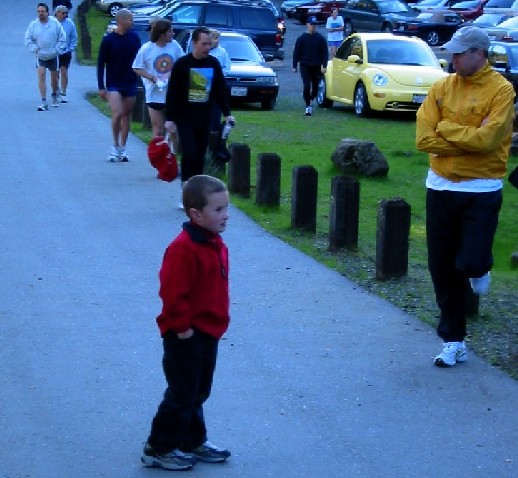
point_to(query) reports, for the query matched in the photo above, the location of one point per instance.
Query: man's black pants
(460, 229)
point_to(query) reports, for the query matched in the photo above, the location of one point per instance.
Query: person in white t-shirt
(335, 32)
(154, 62)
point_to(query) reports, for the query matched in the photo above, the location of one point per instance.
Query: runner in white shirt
(154, 62)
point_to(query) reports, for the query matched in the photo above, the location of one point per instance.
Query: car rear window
(257, 19)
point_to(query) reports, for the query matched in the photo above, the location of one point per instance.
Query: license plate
(238, 91)
(418, 98)
(401, 28)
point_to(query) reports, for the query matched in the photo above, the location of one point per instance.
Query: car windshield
(240, 49)
(396, 52)
(509, 23)
(393, 6)
(491, 19)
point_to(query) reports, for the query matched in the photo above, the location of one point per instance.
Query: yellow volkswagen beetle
(381, 72)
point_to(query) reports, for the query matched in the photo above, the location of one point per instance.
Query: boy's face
(214, 215)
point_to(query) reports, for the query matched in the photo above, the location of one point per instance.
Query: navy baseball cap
(312, 20)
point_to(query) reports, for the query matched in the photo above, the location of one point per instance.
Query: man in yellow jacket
(465, 124)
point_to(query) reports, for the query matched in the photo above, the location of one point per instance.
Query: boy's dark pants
(188, 367)
(460, 228)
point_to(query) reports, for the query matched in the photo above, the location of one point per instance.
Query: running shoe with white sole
(173, 460)
(452, 353)
(210, 453)
(44, 106)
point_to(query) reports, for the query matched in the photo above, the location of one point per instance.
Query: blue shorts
(126, 91)
(51, 64)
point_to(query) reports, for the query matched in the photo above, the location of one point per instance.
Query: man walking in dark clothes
(311, 52)
(196, 85)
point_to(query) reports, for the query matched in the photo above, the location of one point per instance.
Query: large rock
(354, 156)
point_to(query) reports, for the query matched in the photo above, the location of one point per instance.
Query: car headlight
(267, 80)
(379, 79)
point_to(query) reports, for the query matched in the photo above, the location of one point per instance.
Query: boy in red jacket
(195, 314)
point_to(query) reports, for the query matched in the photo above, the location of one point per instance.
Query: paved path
(316, 377)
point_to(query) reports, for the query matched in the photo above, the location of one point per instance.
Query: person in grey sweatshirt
(46, 38)
(64, 60)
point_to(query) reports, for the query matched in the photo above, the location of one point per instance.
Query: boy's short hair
(197, 190)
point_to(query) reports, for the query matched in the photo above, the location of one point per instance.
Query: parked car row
(254, 18)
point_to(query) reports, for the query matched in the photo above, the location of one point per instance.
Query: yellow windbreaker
(466, 125)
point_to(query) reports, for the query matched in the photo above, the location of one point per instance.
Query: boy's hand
(186, 335)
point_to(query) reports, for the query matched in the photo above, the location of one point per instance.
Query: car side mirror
(354, 59)
(444, 63)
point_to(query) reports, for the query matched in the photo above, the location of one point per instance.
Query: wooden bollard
(304, 189)
(392, 239)
(268, 172)
(345, 213)
(239, 170)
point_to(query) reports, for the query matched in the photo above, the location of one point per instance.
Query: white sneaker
(44, 106)
(480, 285)
(63, 98)
(452, 352)
(309, 110)
(123, 155)
(55, 100)
(114, 154)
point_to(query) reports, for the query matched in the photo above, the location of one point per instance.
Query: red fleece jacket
(194, 283)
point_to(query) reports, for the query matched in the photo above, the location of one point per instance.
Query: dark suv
(252, 18)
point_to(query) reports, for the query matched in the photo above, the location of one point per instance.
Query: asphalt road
(316, 377)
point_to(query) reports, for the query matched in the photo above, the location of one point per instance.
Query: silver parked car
(113, 6)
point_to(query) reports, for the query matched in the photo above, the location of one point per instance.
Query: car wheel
(114, 8)
(432, 38)
(348, 29)
(322, 100)
(268, 104)
(302, 19)
(361, 101)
